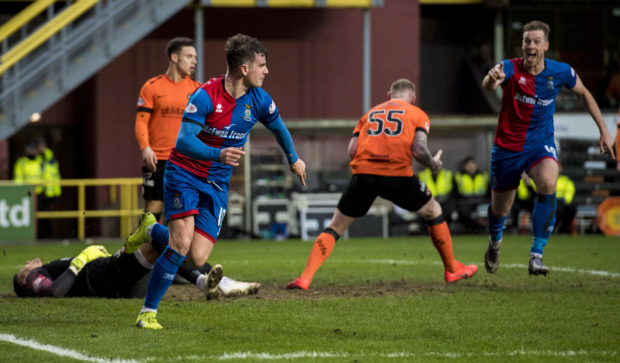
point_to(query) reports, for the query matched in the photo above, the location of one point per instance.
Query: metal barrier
(128, 203)
(44, 33)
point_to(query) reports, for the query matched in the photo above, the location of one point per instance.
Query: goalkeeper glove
(87, 255)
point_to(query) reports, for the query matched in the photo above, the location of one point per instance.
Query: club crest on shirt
(549, 82)
(218, 108)
(191, 108)
(521, 80)
(177, 202)
(248, 114)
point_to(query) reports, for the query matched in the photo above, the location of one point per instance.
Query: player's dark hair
(401, 85)
(538, 25)
(21, 290)
(241, 49)
(176, 44)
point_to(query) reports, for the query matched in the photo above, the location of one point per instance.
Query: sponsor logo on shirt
(532, 100)
(141, 101)
(191, 108)
(227, 134)
(171, 111)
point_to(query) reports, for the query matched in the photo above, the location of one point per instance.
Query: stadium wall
(315, 63)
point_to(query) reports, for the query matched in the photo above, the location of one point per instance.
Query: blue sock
(159, 235)
(543, 219)
(496, 225)
(164, 272)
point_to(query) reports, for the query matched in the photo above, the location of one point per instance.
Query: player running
(524, 138)
(384, 143)
(215, 126)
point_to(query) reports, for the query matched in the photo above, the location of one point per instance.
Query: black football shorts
(153, 182)
(407, 192)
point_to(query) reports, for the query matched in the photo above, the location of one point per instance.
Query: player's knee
(431, 210)
(547, 186)
(197, 260)
(500, 210)
(181, 245)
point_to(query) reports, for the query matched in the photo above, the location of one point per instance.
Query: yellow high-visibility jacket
(28, 171)
(440, 186)
(51, 172)
(469, 186)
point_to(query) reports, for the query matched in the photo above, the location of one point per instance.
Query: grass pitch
(374, 300)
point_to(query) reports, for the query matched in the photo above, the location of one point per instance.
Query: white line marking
(510, 265)
(306, 354)
(63, 352)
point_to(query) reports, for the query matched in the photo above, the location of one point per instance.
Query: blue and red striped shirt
(528, 102)
(226, 122)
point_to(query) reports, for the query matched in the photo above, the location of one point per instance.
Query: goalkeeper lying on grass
(95, 273)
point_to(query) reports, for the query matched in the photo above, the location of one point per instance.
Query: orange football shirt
(160, 109)
(385, 138)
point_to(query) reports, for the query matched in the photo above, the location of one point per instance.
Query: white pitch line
(63, 352)
(472, 355)
(510, 265)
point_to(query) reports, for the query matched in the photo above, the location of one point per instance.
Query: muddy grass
(273, 291)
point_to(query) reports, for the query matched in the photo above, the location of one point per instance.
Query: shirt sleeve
(360, 124)
(509, 70)
(194, 118)
(143, 115)
(198, 107)
(268, 110)
(423, 122)
(284, 139)
(570, 77)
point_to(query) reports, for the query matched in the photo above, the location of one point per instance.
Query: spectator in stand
(565, 209)
(28, 169)
(472, 190)
(441, 184)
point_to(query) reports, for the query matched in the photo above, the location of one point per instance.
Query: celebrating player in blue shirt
(524, 138)
(215, 126)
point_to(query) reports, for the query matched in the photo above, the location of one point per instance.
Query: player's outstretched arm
(494, 77)
(605, 141)
(283, 136)
(284, 139)
(299, 168)
(423, 155)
